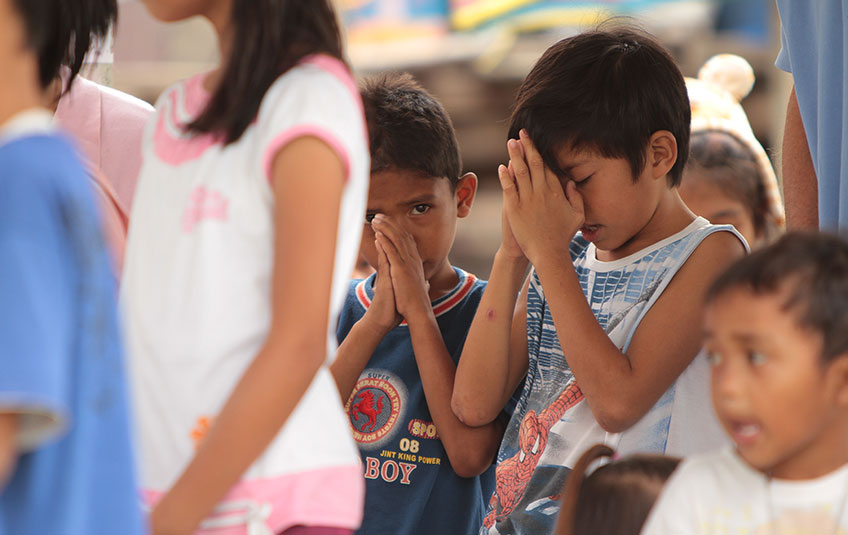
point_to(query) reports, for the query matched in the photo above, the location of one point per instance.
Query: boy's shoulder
(713, 477)
(462, 300)
(710, 241)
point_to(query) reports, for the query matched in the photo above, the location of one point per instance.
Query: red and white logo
(374, 408)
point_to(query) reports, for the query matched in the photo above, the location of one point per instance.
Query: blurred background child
(246, 225)
(106, 125)
(615, 498)
(729, 178)
(776, 333)
(66, 463)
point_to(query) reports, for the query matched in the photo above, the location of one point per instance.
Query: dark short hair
(408, 129)
(813, 269)
(728, 164)
(607, 90)
(616, 498)
(61, 32)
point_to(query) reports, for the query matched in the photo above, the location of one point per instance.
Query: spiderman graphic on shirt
(513, 474)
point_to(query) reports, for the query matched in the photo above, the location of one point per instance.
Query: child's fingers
(519, 166)
(389, 248)
(553, 182)
(510, 191)
(533, 159)
(383, 225)
(574, 197)
(384, 276)
(382, 259)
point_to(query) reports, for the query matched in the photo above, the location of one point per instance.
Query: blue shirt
(410, 486)
(814, 38)
(61, 359)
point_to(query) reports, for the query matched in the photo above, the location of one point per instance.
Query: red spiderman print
(513, 474)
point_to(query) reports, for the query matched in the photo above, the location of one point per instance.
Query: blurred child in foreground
(65, 456)
(776, 331)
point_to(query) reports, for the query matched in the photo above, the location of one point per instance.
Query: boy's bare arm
(619, 388)
(800, 187)
(494, 358)
(8, 446)
(366, 334)
(471, 450)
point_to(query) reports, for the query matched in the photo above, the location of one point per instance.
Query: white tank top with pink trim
(196, 296)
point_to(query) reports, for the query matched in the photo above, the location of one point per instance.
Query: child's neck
(443, 280)
(222, 22)
(19, 90)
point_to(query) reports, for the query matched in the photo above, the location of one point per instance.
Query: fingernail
(501, 168)
(513, 144)
(522, 132)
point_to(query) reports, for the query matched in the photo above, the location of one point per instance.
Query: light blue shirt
(814, 38)
(61, 364)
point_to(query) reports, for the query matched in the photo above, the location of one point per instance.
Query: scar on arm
(491, 314)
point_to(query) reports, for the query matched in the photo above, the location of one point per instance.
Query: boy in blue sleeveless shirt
(66, 462)
(608, 322)
(402, 329)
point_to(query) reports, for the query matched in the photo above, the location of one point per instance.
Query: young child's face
(424, 207)
(708, 200)
(771, 390)
(617, 207)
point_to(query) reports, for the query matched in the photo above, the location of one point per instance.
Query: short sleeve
(317, 98)
(782, 62)
(35, 301)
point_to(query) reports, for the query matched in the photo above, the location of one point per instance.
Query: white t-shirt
(196, 293)
(718, 494)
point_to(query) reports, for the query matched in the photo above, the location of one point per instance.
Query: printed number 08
(409, 445)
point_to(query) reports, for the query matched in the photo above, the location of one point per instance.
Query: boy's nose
(728, 383)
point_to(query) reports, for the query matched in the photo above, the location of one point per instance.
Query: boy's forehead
(400, 185)
(741, 308)
(569, 156)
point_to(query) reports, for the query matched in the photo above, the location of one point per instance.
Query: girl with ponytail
(614, 499)
(246, 224)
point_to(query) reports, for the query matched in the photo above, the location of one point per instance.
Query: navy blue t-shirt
(410, 486)
(60, 356)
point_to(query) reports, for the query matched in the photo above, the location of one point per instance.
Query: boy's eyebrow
(566, 169)
(418, 199)
(737, 337)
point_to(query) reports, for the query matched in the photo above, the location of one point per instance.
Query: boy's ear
(466, 190)
(662, 153)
